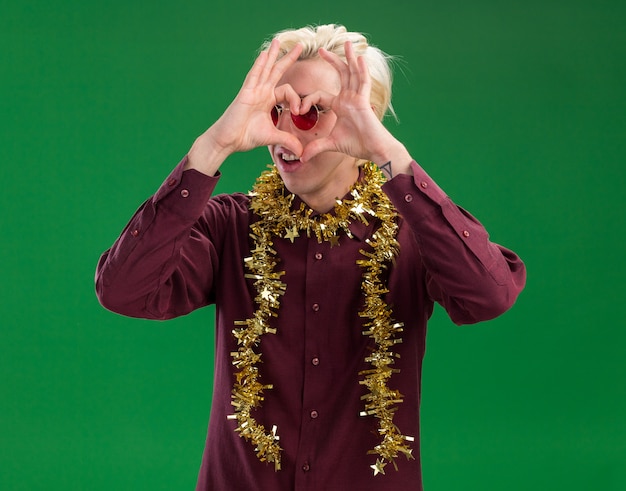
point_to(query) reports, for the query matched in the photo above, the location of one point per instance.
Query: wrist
(393, 160)
(206, 155)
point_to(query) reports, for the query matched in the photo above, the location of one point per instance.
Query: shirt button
(318, 255)
(408, 198)
(315, 307)
(314, 414)
(184, 193)
(135, 233)
(465, 233)
(424, 184)
(315, 361)
(171, 182)
(306, 467)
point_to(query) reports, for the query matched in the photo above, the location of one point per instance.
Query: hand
(357, 132)
(246, 123)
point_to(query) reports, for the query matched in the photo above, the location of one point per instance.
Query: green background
(517, 109)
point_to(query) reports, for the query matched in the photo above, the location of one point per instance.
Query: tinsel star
(266, 294)
(358, 208)
(292, 233)
(379, 467)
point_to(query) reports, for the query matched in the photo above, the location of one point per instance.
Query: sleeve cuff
(417, 192)
(185, 192)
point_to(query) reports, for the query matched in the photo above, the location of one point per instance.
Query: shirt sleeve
(473, 278)
(147, 272)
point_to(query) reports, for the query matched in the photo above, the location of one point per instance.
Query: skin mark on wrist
(386, 168)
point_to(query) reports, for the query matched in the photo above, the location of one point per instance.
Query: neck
(324, 201)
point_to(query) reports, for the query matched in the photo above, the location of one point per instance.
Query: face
(329, 175)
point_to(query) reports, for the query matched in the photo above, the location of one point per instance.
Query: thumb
(316, 147)
(289, 141)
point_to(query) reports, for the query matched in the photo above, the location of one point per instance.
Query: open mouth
(289, 158)
(287, 161)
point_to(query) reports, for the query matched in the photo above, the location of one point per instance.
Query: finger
(280, 67)
(272, 54)
(353, 68)
(324, 99)
(287, 140)
(338, 64)
(316, 147)
(257, 69)
(286, 93)
(364, 76)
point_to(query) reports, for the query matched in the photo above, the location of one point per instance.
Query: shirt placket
(317, 318)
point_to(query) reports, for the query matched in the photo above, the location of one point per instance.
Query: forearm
(472, 277)
(142, 273)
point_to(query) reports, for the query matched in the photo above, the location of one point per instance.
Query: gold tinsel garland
(271, 202)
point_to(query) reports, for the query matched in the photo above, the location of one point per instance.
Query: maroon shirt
(183, 250)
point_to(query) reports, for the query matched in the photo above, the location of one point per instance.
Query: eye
(275, 113)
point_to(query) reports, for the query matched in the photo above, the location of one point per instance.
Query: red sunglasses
(304, 122)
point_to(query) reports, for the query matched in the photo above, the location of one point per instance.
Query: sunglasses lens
(306, 121)
(300, 121)
(275, 115)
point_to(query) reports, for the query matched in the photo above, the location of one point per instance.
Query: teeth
(289, 157)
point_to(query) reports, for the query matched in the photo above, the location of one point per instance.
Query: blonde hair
(332, 37)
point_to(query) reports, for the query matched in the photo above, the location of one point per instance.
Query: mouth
(287, 161)
(289, 157)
